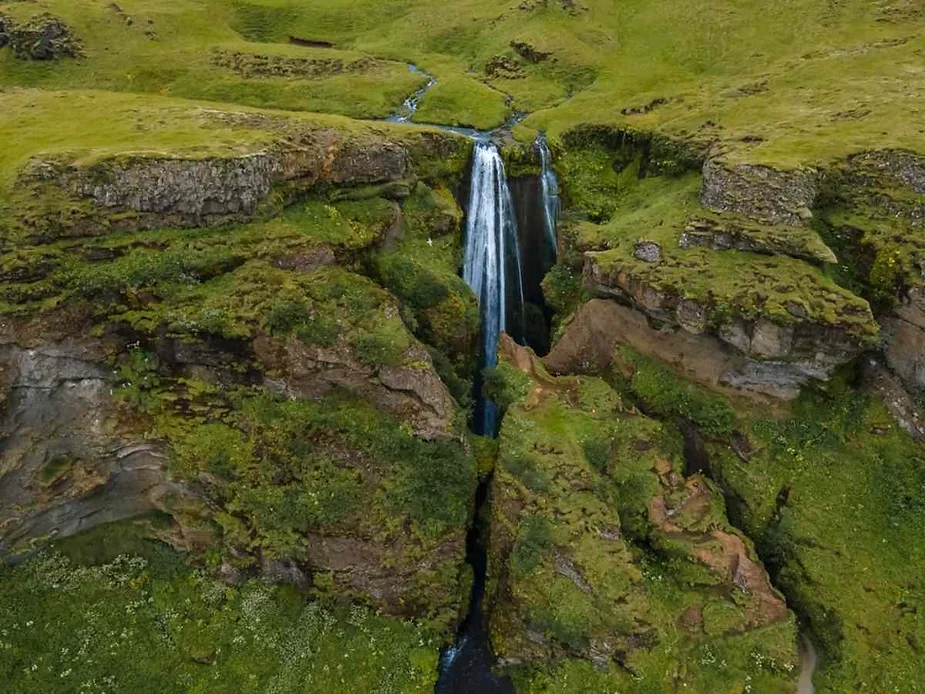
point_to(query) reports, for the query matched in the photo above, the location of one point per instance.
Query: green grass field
(795, 83)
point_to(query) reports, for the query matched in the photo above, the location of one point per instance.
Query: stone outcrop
(588, 340)
(250, 65)
(759, 192)
(904, 330)
(42, 38)
(411, 391)
(803, 347)
(894, 394)
(883, 186)
(66, 464)
(140, 192)
(725, 234)
(895, 168)
(647, 251)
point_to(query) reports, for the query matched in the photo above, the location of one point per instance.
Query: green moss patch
(139, 623)
(831, 494)
(577, 568)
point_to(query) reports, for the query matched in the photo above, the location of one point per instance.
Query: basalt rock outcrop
(904, 330)
(411, 390)
(67, 463)
(789, 352)
(42, 38)
(733, 232)
(759, 192)
(5, 26)
(587, 343)
(250, 65)
(127, 192)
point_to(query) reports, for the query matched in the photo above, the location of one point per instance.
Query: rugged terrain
(238, 360)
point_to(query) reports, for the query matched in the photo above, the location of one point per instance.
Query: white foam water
(492, 257)
(549, 187)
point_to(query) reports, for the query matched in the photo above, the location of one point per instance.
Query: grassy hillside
(791, 83)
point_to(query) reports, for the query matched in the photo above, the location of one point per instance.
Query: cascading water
(492, 270)
(549, 186)
(404, 112)
(492, 262)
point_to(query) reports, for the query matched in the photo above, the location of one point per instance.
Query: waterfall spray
(492, 258)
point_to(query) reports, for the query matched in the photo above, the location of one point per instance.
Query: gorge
(550, 348)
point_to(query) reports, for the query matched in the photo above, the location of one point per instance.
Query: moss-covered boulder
(44, 37)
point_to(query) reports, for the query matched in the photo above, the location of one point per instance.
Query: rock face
(43, 38)
(758, 192)
(899, 168)
(413, 393)
(65, 466)
(140, 192)
(801, 347)
(588, 340)
(647, 251)
(904, 330)
(736, 234)
(250, 65)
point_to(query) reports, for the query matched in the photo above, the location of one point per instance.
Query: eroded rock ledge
(778, 356)
(131, 192)
(66, 462)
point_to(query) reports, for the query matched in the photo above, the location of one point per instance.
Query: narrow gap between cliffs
(697, 461)
(509, 247)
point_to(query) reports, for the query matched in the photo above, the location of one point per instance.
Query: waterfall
(549, 186)
(492, 258)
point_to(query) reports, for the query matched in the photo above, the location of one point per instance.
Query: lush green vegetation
(574, 576)
(832, 494)
(649, 65)
(146, 622)
(667, 397)
(339, 466)
(624, 203)
(632, 96)
(829, 490)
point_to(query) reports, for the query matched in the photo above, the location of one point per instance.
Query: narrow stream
(808, 662)
(404, 113)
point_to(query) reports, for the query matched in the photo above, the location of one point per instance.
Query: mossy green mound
(828, 490)
(592, 589)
